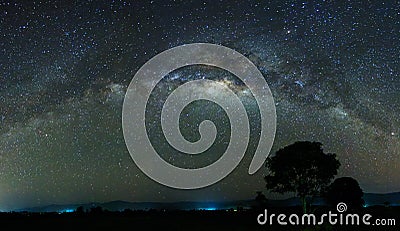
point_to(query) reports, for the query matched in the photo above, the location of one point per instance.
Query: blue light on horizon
(67, 211)
(208, 209)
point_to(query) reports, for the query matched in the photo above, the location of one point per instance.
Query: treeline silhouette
(233, 219)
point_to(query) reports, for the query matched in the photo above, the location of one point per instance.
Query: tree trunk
(304, 204)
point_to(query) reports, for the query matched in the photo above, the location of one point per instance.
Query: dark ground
(178, 220)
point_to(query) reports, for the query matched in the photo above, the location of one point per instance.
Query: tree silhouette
(80, 210)
(347, 190)
(96, 210)
(261, 199)
(302, 168)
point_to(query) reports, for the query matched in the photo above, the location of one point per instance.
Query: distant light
(67, 211)
(208, 209)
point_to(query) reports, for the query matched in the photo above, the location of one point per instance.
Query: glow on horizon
(208, 209)
(67, 211)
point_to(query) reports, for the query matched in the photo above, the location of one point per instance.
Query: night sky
(332, 66)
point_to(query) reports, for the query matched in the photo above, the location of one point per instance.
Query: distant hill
(370, 200)
(378, 199)
(122, 205)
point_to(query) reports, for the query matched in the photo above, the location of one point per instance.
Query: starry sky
(332, 66)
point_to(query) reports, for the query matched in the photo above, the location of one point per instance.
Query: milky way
(333, 69)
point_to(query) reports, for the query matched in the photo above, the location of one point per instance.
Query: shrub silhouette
(347, 190)
(96, 210)
(261, 200)
(80, 210)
